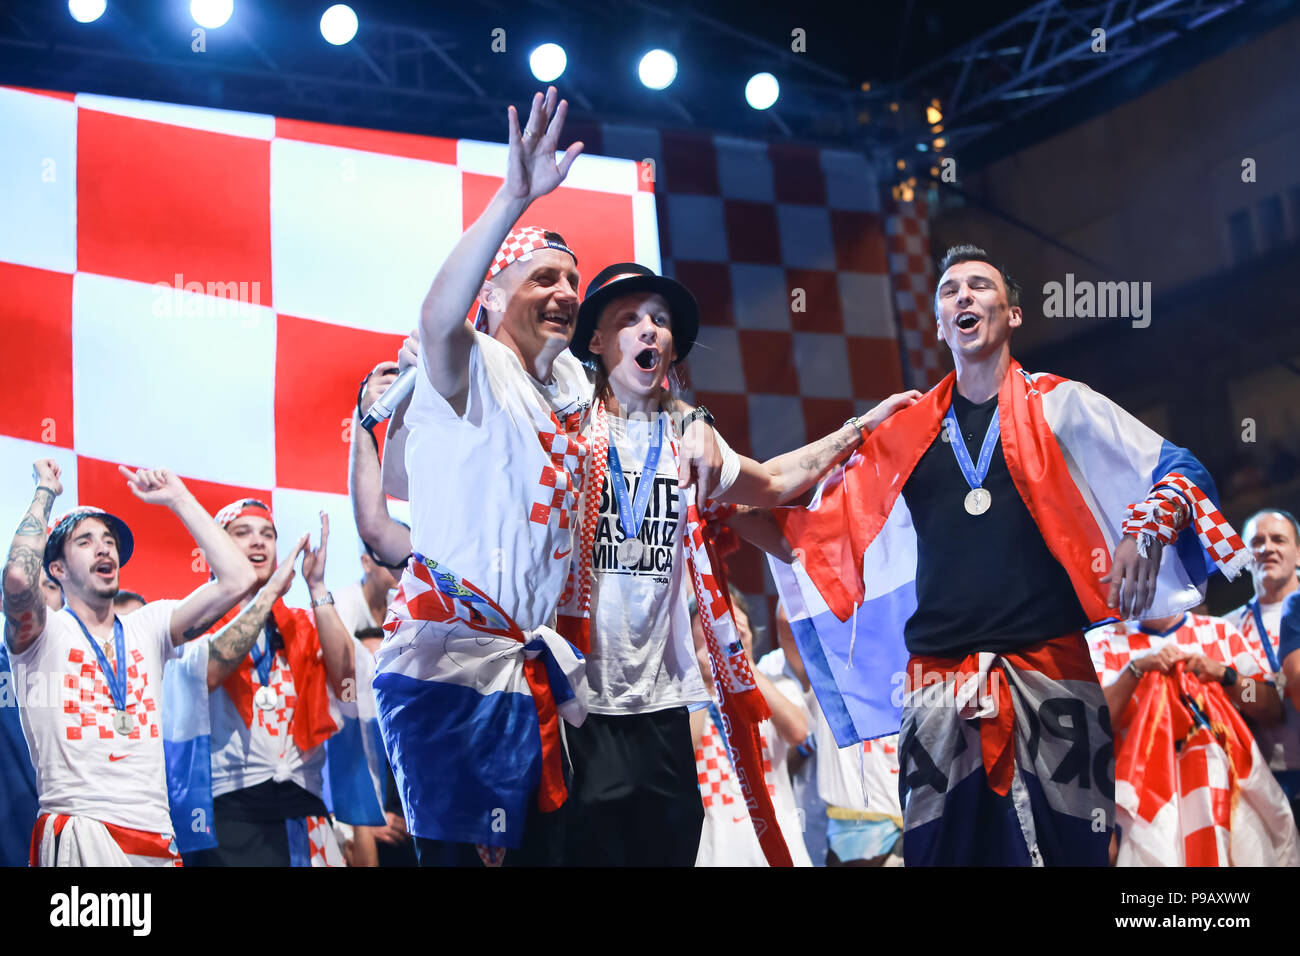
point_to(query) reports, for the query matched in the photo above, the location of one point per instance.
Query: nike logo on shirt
(113, 757)
(558, 556)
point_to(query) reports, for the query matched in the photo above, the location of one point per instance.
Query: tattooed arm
(231, 644)
(24, 606)
(779, 480)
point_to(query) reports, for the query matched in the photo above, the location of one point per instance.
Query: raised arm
(386, 537)
(531, 172)
(24, 607)
(335, 639)
(782, 479)
(233, 576)
(231, 644)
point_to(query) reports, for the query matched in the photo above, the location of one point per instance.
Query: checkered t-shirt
(493, 492)
(83, 766)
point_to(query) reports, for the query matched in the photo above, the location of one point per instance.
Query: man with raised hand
(972, 532)
(495, 452)
(273, 705)
(91, 717)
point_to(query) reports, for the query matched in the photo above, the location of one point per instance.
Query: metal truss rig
(443, 81)
(1039, 56)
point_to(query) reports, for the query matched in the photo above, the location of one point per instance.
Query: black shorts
(542, 845)
(250, 825)
(635, 797)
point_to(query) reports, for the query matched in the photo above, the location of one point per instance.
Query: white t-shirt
(353, 608)
(1280, 742)
(244, 756)
(83, 766)
(861, 777)
(728, 837)
(642, 655)
(487, 500)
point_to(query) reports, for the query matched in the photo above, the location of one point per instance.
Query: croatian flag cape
(1078, 461)
(353, 777)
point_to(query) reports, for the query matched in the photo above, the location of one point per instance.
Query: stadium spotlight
(338, 24)
(211, 13)
(547, 62)
(658, 69)
(762, 90)
(86, 11)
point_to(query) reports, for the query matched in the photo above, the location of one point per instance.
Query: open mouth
(257, 559)
(106, 569)
(557, 319)
(967, 321)
(647, 359)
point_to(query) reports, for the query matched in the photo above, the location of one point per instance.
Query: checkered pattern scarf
(743, 706)
(1154, 519)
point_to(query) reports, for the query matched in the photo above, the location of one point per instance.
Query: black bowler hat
(624, 278)
(67, 522)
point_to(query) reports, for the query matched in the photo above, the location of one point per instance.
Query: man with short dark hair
(1274, 542)
(977, 525)
(92, 724)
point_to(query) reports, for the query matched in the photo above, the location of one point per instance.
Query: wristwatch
(327, 599)
(1229, 676)
(699, 412)
(1132, 669)
(857, 421)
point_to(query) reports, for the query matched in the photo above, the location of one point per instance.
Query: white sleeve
(730, 465)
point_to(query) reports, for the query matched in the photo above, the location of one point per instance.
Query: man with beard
(92, 720)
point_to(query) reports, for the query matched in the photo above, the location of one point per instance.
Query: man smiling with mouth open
(976, 526)
(635, 798)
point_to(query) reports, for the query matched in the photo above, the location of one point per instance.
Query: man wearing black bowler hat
(635, 798)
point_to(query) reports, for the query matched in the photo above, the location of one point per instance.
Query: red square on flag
(598, 227)
(165, 563)
(36, 310)
(318, 367)
(139, 218)
(765, 357)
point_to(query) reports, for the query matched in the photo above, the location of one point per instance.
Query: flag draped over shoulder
(1078, 461)
(1191, 786)
(187, 747)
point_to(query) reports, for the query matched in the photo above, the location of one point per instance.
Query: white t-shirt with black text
(642, 655)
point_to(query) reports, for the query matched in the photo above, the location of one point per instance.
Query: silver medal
(122, 722)
(629, 553)
(978, 501)
(264, 698)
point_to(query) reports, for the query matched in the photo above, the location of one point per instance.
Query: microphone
(396, 393)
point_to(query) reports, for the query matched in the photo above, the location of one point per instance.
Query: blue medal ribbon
(632, 527)
(262, 662)
(115, 679)
(973, 472)
(1264, 639)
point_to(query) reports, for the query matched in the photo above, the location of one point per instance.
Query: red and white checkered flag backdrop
(202, 290)
(785, 248)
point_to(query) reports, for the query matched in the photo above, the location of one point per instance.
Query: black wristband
(698, 413)
(1229, 676)
(361, 416)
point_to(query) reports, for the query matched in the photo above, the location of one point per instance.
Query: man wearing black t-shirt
(1033, 506)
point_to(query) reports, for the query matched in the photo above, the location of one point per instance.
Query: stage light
(338, 24)
(762, 90)
(86, 11)
(932, 115)
(211, 13)
(547, 62)
(940, 143)
(658, 69)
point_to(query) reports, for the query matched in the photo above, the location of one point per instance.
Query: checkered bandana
(520, 246)
(1154, 519)
(243, 508)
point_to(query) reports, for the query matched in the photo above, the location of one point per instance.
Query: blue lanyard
(632, 525)
(974, 472)
(1263, 636)
(716, 716)
(115, 679)
(263, 660)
